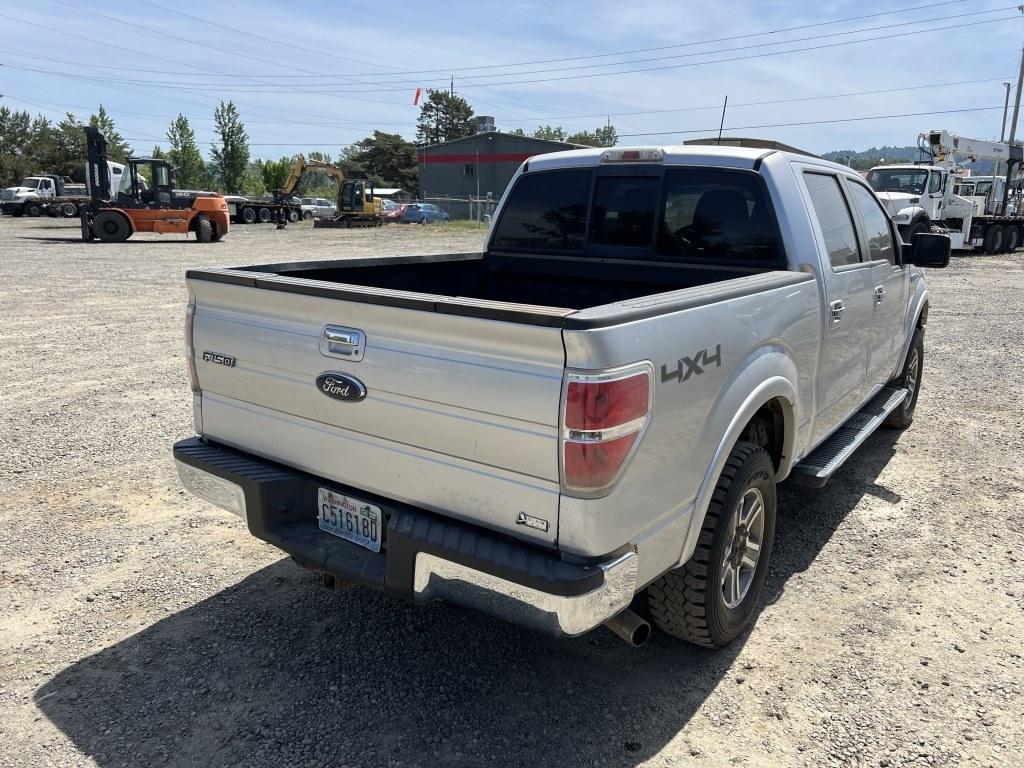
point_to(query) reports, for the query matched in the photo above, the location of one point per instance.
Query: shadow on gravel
(78, 240)
(275, 671)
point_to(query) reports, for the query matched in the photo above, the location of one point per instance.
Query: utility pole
(1006, 107)
(452, 91)
(725, 104)
(1016, 101)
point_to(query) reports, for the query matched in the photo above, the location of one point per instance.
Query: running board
(818, 466)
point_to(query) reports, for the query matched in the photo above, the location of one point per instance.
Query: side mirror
(927, 250)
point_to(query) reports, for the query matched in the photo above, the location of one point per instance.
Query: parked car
(423, 213)
(318, 208)
(599, 404)
(392, 211)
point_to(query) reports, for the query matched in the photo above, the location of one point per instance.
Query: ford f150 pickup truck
(599, 404)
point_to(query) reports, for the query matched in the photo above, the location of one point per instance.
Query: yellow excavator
(357, 205)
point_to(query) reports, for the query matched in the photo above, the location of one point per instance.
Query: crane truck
(921, 197)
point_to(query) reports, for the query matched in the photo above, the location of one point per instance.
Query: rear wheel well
(767, 429)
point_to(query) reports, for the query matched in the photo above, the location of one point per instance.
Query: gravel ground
(141, 627)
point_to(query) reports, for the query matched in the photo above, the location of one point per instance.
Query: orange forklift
(115, 214)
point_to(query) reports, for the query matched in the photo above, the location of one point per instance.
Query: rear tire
(264, 215)
(909, 379)
(307, 215)
(1012, 239)
(111, 227)
(293, 215)
(714, 597)
(995, 239)
(68, 210)
(248, 216)
(204, 229)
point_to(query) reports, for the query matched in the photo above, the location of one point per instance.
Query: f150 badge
(341, 386)
(692, 366)
(217, 357)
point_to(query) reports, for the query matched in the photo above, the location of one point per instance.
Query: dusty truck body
(599, 403)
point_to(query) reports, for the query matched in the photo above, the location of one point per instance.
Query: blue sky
(318, 75)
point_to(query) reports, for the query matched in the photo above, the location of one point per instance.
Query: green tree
(443, 117)
(551, 133)
(15, 138)
(68, 148)
(274, 172)
(231, 152)
(185, 156)
(252, 181)
(386, 158)
(118, 149)
(605, 136)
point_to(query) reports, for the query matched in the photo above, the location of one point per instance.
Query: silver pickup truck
(599, 404)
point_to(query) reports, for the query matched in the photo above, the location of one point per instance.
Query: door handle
(879, 293)
(337, 341)
(836, 309)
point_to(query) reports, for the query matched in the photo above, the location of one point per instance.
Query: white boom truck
(922, 198)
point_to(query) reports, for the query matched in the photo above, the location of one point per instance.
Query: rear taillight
(190, 352)
(603, 418)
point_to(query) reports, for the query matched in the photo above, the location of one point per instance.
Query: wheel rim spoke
(743, 549)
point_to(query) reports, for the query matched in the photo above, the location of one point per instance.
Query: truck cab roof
(746, 157)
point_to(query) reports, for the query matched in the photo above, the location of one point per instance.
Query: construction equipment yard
(142, 626)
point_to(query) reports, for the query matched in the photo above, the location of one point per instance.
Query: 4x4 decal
(692, 366)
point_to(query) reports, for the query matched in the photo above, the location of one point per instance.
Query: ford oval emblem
(341, 386)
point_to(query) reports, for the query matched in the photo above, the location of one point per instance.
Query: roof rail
(750, 143)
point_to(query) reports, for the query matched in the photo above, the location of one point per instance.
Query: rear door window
(546, 212)
(834, 218)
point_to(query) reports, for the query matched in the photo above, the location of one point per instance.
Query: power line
(809, 122)
(711, 61)
(737, 105)
(270, 87)
(448, 70)
(794, 124)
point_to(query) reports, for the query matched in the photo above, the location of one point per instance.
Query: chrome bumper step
(818, 466)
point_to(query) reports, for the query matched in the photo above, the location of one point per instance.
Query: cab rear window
(672, 214)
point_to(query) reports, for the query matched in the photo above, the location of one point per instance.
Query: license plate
(350, 519)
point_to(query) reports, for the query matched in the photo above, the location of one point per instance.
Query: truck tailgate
(460, 414)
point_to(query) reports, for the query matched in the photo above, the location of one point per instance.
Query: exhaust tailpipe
(630, 627)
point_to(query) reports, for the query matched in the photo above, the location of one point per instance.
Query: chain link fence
(465, 208)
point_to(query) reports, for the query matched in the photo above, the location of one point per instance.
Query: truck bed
(542, 291)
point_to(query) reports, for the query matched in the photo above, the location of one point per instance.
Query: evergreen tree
(443, 117)
(386, 158)
(231, 152)
(15, 136)
(68, 150)
(118, 149)
(185, 156)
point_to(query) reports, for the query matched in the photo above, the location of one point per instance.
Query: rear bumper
(424, 556)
